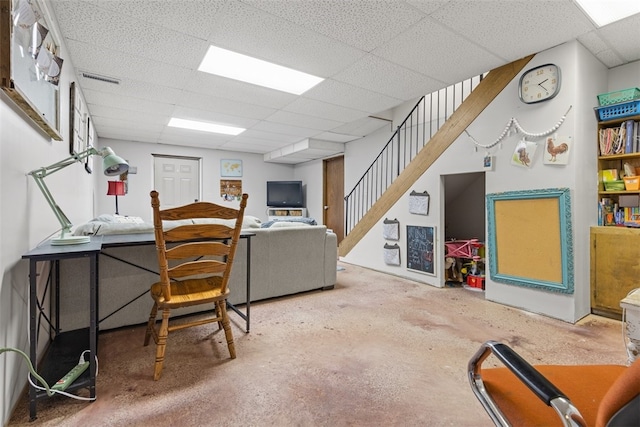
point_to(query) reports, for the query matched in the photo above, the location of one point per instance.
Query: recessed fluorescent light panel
(204, 126)
(236, 66)
(605, 12)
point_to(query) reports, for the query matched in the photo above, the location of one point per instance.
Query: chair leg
(222, 306)
(162, 344)
(151, 324)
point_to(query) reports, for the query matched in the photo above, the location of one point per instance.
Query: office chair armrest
(528, 375)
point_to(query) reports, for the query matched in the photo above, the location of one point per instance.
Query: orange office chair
(519, 394)
(195, 269)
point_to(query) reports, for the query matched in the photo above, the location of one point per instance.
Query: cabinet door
(615, 268)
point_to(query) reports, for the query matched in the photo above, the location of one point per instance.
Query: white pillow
(251, 222)
(285, 224)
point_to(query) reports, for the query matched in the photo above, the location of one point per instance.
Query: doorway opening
(177, 179)
(464, 220)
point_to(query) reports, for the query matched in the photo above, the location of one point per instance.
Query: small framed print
(229, 167)
(487, 163)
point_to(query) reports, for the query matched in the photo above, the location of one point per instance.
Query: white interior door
(177, 179)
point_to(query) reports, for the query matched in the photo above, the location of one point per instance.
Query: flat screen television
(284, 193)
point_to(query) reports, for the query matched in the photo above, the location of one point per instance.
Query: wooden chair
(195, 269)
(520, 394)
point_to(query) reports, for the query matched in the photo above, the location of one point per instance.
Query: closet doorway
(464, 219)
(177, 179)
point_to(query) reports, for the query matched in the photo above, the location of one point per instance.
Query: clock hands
(540, 84)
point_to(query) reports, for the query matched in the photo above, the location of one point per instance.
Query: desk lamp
(116, 188)
(111, 165)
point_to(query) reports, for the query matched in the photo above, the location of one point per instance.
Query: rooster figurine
(555, 150)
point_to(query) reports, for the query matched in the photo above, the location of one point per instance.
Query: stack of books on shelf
(626, 214)
(623, 139)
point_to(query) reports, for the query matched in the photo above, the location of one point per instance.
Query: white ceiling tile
(260, 135)
(213, 117)
(285, 129)
(312, 107)
(205, 102)
(617, 37)
(221, 87)
(194, 17)
(107, 99)
(376, 74)
(431, 49)
(112, 30)
(301, 120)
(507, 28)
(253, 32)
(121, 65)
(363, 24)
(349, 96)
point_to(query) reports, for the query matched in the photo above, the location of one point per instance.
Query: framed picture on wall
(230, 167)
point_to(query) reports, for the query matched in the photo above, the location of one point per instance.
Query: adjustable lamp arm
(113, 165)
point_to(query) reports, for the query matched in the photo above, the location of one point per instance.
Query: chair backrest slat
(198, 249)
(198, 231)
(194, 245)
(197, 267)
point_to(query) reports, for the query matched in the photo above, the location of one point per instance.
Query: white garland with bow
(513, 122)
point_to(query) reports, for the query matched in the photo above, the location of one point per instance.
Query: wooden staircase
(494, 82)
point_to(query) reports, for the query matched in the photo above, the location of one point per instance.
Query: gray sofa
(286, 259)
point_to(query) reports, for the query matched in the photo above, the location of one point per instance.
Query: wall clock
(539, 84)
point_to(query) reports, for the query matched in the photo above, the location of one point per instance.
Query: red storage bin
(475, 281)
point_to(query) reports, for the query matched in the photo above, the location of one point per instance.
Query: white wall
(137, 202)
(583, 78)
(26, 219)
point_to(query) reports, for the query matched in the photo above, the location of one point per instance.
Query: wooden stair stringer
(486, 91)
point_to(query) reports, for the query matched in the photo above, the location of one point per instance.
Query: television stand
(284, 213)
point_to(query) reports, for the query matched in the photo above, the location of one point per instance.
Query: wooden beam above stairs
(495, 81)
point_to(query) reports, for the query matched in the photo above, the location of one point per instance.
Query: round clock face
(539, 84)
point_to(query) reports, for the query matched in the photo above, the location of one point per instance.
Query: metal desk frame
(59, 349)
(60, 341)
(141, 239)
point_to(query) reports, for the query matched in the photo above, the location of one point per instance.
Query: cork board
(530, 241)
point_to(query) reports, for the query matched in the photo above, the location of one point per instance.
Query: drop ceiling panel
(254, 32)
(112, 30)
(294, 119)
(221, 87)
(205, 102)
(362, 24)
(129, 135)
(286, 129)
(126, 115)
(121, 65)
(281, 138)
(128, 103)
(378, 75)
(531, 26)
(213, 117)
(618, 36)
(193, 17)
(431, 49)
(131, 88)
(362, 127)
(325, 110)
(128, 126)
(349, 96)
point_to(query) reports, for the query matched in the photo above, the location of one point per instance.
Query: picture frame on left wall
(28, 49)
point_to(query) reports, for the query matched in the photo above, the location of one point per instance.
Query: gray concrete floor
(377, 350)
